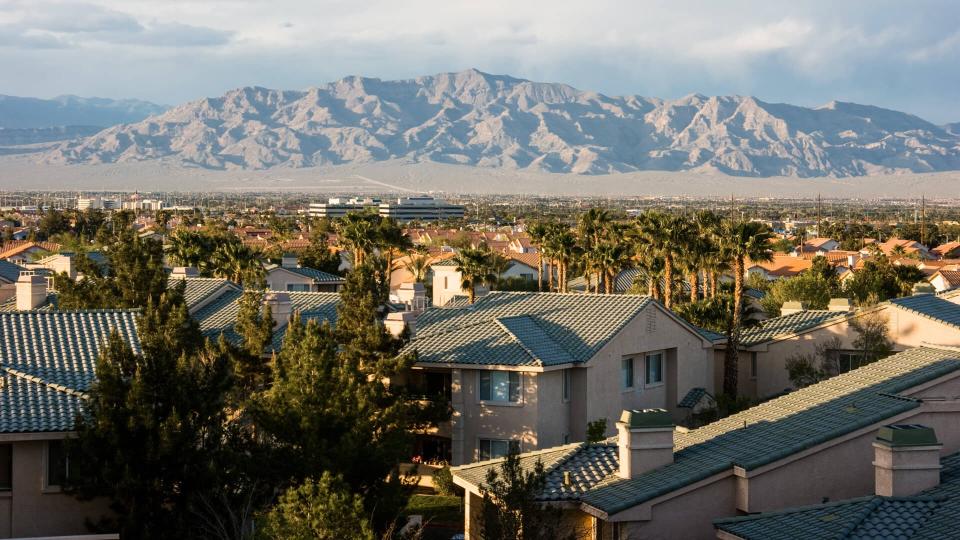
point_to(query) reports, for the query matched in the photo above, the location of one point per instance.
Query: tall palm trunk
(608, 283)
(713, 283)
(668, 280)
(731, 363)
(471, 293)
(652, 287)
(539, 270)
(694, 285)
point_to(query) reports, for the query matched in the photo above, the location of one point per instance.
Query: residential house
(780, 266)
(24, 251)
(945, 280)
(910, 248)
(47, 361)
(918, 320)
(818, 246)
(653, 480)
(913, 500)
(292, 277)
(947, 250)
(530, 370)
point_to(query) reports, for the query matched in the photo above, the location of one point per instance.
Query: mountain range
(478, 119)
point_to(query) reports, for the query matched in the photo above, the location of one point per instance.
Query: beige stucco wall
(278, 279)
(30, 510)
(688, 516)
(906, 330)
(652, 330)
(543, 418)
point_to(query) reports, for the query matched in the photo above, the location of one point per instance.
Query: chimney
(289, 260)
(840, 304)
(645, 438)
(413, 295)
(31, 290)
(281, 308)
(184, 272)
(851, 261)
(922, 287)
(397, 320)
(906, 460)
(792, 306)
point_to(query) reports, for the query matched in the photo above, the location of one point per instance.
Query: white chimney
(281, 308)
(906, 460)
(792, 306)
(851, 261)
(289, 260)
(645, 439)
(31, 290)
(184, 272)
(396, 321)
(413, 295)
(840, 304)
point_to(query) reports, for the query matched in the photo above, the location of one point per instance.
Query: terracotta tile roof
(16, 247)
(947, 249)
(951, 277)
(783, 265)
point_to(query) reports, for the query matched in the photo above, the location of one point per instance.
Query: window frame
(646, 369)
(627, 365)
(48, 486)
(512, 390)
(299, 287)
(490, 442)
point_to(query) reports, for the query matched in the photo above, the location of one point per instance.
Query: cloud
(77, 25)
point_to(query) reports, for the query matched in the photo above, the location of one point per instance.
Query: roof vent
(840, 304)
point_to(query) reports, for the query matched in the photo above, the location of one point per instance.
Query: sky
(895, 54)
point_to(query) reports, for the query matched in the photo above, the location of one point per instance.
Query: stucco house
(530, 370)
(47, 361)
(292, 277)
(653, 480)
(916, 500)
(913, 321)
(945, 280)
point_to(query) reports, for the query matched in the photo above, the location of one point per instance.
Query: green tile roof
(587, 463)
(48, 360)
(199, 290)
(932, 514)
(777, 428)
(318, 276)
(787, 325)
(523, 329)
(931, 307)
(9, 272)
(219, 317)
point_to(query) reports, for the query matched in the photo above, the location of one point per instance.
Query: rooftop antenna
(923, 219)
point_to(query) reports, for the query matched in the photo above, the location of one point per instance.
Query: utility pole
(819, 209)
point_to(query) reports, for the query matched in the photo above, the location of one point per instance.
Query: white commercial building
(421, 208)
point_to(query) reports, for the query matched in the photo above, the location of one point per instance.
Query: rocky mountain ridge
(474, 118)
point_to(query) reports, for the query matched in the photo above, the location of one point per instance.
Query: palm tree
(701, 249)
(740, 240)
(474, 267)
(498, 265)
(358, 233)
(664, 235)
(417, 266)
(538, 232)
(565, 249)
(391, 238)
(593, 227)
(613, 257)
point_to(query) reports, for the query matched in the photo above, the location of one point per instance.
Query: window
(298, 287)
(445, 284)
(6, 467)
(494, 448)
(567, 383)
(500, 386)
(654, 373)
(849, 360)
(58, 465)
(626, 370)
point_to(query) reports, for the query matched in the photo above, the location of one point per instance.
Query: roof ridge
(870, 509)
(516, 338)
(39, 380)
